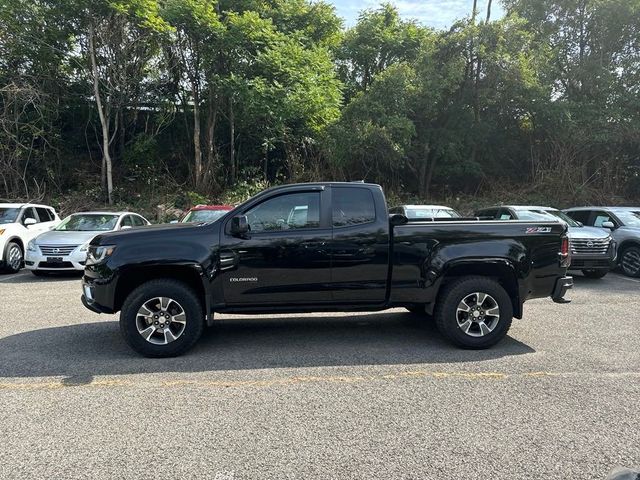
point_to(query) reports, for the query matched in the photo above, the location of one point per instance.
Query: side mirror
(239, 225)
(29, 221)
(173, 221)
(397, 219)
(580, 224)
(609, 225)
(125, 227)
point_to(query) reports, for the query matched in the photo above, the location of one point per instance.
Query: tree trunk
(210, 134)
(104, 116)
(232, 142)
(197, 148)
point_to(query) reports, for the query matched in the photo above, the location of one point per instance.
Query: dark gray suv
(592, 250)
(623, 223)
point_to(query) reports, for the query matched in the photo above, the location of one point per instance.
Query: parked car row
(33, 235)
(601, 238)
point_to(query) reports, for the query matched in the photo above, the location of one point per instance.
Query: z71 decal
(538, 230)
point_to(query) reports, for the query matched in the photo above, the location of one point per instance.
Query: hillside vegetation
(146, 102)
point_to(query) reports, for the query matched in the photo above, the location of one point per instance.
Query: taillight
(565, 252)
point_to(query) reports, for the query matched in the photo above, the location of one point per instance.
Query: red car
(205, 213)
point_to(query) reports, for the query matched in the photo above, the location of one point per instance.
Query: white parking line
(628, 279)
(9, 277)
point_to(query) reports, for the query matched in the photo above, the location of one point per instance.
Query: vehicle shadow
(82, 351)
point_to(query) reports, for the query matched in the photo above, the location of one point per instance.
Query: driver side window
(600, 218)
(28, 213)
(286, 212)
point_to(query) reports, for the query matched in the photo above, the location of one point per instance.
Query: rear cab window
(352, 206)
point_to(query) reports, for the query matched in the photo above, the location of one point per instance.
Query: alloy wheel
(631, 262)
(478, 314)
(161, 320)
(14, 257)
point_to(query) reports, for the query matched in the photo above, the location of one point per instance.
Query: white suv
(19, 223)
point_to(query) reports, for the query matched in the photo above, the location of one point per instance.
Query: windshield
(8, 215)
(431, 213)
(561, 215)
(203, 215)
(629, 218)
(88, 223)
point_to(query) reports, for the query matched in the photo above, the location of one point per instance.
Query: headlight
(31, 246)
(98, 255)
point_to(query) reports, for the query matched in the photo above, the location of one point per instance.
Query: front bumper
(97, 297)
(592, 262)
(563, 284)
(73, 262)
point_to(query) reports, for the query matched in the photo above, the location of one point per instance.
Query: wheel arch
(133, 277)
(629, 242)
(500, 269)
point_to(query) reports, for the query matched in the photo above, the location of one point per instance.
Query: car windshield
(88, 223)
(203, 215)
(561, 215)
(8, 215)
(431, 213)
(629, 218)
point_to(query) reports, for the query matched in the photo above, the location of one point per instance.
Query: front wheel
(13, 257)
(630, 261)
(162, 318)
(594, 273)
(474, 312)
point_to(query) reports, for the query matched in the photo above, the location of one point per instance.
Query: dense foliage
(124, 98)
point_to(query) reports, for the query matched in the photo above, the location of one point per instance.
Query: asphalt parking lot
(374, 395)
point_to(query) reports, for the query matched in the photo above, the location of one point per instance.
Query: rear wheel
(594, 273)
(13, 257)
(630, 261)
(474, 312)
(162, 318)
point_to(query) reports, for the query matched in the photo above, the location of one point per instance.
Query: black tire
(40, 273)
(8, 251)
(176, 291)
(630, 261)
(446, 314)
(594, 273)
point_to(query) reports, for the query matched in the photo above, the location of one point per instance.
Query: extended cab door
(360, 245)
(284, 258)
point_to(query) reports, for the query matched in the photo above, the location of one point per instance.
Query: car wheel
(630, 261)
(13, 257)
(594, 273)
(474, 312)
(162, 318)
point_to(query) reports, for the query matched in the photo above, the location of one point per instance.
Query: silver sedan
(65, 247)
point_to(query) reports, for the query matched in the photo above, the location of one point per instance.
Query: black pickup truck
(323, 247)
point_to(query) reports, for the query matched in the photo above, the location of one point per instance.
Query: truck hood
(149, 232)
(586, 232)
(54, 237)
